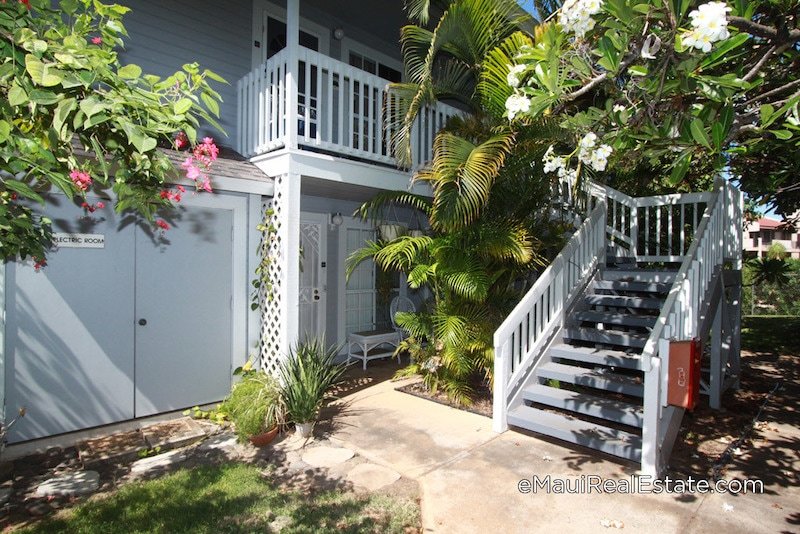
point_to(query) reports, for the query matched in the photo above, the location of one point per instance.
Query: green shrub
(307, 375)
(255, 405)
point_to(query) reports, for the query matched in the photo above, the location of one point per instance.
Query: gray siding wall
(166, 34)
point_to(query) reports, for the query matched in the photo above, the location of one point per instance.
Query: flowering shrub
(684, 88)
(63, 86)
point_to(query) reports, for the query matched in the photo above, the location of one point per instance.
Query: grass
(775, 333)
(230, 498)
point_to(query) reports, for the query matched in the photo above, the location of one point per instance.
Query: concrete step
(606, 337)
(631, 286)
(625, 319)
(583, 403)
(617, 301)
(639, 275)
(612, 358)
(609, 440)
(594, 378)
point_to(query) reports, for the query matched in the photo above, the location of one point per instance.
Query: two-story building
(760, 235)
(143, 323)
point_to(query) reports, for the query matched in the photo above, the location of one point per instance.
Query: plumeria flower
(576, 16)
(513, 74)
(516, 104)
(709, 25)
(651, 46)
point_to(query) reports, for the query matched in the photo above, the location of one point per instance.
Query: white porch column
(281, 304)
(292, 73)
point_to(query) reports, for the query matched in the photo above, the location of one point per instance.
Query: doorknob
(142, 322)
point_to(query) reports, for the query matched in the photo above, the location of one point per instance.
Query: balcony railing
(340, 109)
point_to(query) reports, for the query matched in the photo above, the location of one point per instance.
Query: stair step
(634, 286)
(640, 275)
(617, 301)
(583, 403)
(612, 358)
(607, 337)
(618, 260)
(625, 319)
(609, 440)
(598, 379)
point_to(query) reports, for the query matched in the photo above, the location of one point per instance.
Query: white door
(359, 312)
(313, 274)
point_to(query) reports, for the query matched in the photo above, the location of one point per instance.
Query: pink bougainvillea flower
(97, 40)
(181, 141)
(206, 152)
(206, 185)
(181, 189)
(81, 179)
(193, 172)
(100, 205)
(161, 223)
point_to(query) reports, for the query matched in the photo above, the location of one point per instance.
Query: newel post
(502, 372)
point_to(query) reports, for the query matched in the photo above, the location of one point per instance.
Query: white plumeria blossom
(576, 15)
(593, 155)
(513, 74)
(709, 25)
(516, 104)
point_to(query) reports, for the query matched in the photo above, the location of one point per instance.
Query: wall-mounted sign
(63, 240)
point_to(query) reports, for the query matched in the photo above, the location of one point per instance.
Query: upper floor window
(372, 66)
(276, 38)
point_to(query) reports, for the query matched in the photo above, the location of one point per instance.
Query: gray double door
(138, 327)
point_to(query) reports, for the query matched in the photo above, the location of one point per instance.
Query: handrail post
(502, 372)
(292, 70)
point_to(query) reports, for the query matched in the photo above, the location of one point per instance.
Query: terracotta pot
(265, 438)
(304, 430)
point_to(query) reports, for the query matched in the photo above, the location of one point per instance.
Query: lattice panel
(273, 317)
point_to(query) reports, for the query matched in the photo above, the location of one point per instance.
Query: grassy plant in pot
(307, 375)
(256, 408)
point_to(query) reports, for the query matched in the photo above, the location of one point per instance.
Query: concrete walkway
(469, 476)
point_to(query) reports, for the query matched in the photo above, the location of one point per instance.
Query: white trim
(322, 220)
(279, 13)
(349, 45)
(349, 222)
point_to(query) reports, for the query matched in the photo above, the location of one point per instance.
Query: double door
(137, 322)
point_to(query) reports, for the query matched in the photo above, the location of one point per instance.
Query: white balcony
(341, 110)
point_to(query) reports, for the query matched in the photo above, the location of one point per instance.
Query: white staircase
(583, 357)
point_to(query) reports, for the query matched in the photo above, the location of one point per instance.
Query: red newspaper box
(684, 373)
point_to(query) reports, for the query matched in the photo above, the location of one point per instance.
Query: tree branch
(600, 78)
(773, 92)
(762, 30)
(775, 50)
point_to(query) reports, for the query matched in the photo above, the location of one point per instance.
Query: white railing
(340, 109)
(521, 339)
(701, 230)
(714, 242)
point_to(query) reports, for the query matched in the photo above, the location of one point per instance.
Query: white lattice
(273, 316)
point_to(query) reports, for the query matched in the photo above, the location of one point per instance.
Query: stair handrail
(522, 337)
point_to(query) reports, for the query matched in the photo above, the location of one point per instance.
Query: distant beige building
(761, 234)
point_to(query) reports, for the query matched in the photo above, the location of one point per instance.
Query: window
(276, 38)
(374, 67)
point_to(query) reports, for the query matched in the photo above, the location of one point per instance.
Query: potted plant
(391, 231)
(307, 376)
(256, 408)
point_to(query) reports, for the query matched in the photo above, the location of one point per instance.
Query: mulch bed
(481, 398)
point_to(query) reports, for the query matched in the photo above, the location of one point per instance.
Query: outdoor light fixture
(336, 219)
(338, 34)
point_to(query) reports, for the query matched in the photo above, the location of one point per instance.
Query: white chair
(400, 304)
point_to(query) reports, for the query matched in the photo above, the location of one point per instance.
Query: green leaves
(129, 72)
(40, 73)
(699, 133)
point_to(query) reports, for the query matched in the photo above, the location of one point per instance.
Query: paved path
(469, 475)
